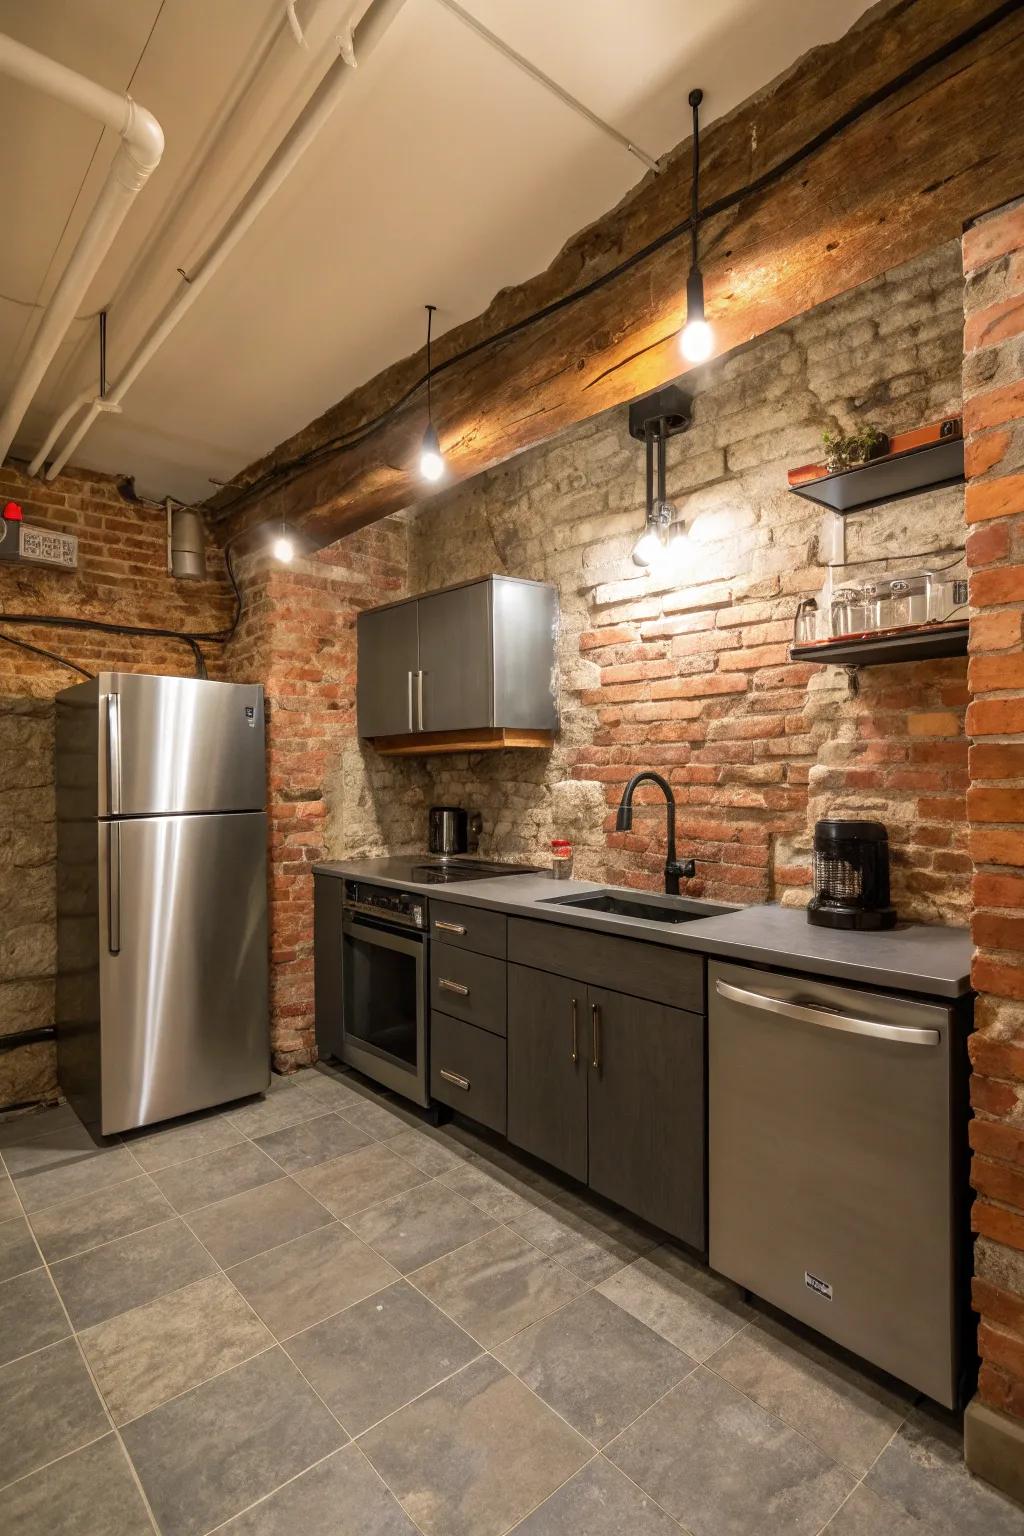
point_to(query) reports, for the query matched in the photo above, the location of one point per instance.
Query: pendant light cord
(695, 99)
(430, 319)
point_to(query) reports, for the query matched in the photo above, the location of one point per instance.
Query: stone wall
(122, 578)
(994, 417)
(690, 675)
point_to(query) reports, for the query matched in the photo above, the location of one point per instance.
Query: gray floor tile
(75, 1225)
(276, 1111)
(21, 1128)
(342, 1496)
(143, 1357)
(10, 1205)
(217, 1176)
(428, 1150)
(257, 1220)
(302, 1282)
(18, 1251)
(76, 1179)
(595, 1365)
(867, 1514)
(475, 1454)
(922, 1472)
(313, 1142)
(360, 1179)
(48, 1406)
(717, 1462)
(89, 1493)
(377, 1355)
(681, 1299)
(495, 1198)
(497, 1285)
(582, 1236)
(850, 1416)
(420, 1225)
(378, 1120)
(176, 1143)
(334, 1090)
(209, 1454)
(129, 1272)
(61, 1145)
(598, 1501)
(31, 1315)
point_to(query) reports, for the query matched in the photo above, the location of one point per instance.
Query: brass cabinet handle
(452, 986)
(574, 1054)
(595, 1019)
(456, 1079)
(448, 927)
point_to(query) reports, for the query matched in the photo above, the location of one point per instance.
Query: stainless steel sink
(649, 909)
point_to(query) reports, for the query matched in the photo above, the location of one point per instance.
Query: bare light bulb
(696, 341)
(431, 457)
(647, 547)
(284, 549)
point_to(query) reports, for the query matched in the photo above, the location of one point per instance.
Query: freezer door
(172, 745)
(830, 1190)
(183, 964)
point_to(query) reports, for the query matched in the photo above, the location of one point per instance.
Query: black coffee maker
(851, 876)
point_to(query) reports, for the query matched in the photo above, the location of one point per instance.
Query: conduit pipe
(137, 157)
(364, 39)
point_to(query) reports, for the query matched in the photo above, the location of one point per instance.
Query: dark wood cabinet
(646, 1111)
(548, 1039)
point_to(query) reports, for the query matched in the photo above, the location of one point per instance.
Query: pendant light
(696, 341)
(431, 457)
(284, 545)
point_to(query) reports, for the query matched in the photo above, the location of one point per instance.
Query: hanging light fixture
(654, 419)
(431, 457)
(696, 341)
(284, 545)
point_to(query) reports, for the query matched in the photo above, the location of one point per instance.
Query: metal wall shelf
(888, 478)
(924, 644)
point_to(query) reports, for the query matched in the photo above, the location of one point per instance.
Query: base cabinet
(610, 1089)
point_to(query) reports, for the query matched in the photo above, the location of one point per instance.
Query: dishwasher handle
(826, 1017)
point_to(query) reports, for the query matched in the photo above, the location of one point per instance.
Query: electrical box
(28, 544)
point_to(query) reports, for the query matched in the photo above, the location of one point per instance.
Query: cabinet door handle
(456, 1079)
(574, 1054)
(446, 927)
(411, 725)
(419, 700)
(595, 1019)
(452, 986)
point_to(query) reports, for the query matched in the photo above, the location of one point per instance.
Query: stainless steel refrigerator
(162, 988)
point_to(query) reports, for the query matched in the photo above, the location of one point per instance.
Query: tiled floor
(312, 1315)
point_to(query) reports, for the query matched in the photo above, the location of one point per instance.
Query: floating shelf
(926, 644)
(888, 478)
(478, 739)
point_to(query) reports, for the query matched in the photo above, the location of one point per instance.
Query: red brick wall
(297, 637)
(122, 577)
(993, 253)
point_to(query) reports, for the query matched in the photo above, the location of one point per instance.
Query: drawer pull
(456, 1079)
(452, 986)
(446, 927)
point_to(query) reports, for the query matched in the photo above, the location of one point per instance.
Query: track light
(696, 340)
(284, 546)
(431, 457)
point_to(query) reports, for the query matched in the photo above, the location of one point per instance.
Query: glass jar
(561, 858)
(911, 599)
(847, 612)
(877, 603)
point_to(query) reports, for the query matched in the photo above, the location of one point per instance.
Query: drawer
(468, 986)
(653, 971)
(467, 1070)
(469, 927)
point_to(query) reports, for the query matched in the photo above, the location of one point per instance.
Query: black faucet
(624, 823)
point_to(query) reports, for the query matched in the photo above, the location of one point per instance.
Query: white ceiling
(445, 174)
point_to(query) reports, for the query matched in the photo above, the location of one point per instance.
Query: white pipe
(292, 147)
(138, 155)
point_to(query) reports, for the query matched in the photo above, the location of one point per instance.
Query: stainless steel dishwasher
(837, 1164)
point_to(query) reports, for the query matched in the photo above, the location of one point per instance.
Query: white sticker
(47, 547)
(820, 1287)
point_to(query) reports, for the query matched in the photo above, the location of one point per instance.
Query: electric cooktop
(446, 871)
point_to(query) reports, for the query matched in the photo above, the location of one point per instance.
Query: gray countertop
(913, 957)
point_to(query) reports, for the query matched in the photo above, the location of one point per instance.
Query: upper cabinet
(469, 668)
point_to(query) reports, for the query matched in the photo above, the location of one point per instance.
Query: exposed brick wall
(122, 577)
(297, 637)
(690, 675)
(993, 253)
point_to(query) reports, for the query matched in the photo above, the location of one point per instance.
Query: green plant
(856, 447)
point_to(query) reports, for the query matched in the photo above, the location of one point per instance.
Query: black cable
(356, 436)
(37, 650)
(695, 99)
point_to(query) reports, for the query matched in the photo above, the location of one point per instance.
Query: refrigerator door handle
(826, 1017)
(114, 888)
(114, 753)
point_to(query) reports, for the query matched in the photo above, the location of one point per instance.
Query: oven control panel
(387, 903)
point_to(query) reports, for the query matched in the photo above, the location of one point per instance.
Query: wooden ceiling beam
(901, 179)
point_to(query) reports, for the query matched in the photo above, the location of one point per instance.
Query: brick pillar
(993, 251)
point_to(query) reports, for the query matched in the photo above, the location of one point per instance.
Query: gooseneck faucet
(624, 823)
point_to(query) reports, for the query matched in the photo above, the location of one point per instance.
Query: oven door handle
(386, 938)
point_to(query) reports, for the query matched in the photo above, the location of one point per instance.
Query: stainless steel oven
(385, 1001)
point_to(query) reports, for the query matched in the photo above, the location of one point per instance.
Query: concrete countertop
(912, 957)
